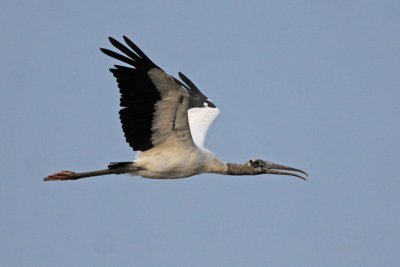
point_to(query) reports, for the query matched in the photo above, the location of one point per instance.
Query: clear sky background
(311, 84)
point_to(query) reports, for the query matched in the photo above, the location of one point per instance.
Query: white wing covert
(200, 120)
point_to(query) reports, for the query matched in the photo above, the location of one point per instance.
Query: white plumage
(200, 120)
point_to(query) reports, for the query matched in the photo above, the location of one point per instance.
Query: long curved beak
(273, 168)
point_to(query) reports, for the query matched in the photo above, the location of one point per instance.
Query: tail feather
(115, 165)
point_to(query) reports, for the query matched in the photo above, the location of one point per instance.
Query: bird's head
(265, 167)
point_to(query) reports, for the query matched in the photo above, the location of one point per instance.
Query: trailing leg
(68, 175)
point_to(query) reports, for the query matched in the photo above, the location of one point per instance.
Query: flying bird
(166, 121)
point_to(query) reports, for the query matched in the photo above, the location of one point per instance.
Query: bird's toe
(60, 176)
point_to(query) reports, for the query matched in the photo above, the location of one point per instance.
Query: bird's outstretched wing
(154, 106)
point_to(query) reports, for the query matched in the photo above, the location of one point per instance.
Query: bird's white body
(168, 161)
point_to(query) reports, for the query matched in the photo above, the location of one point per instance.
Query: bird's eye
(255, 163)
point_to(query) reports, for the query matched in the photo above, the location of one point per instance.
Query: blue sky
(310, 84)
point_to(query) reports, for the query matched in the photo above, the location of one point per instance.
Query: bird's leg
(68, 175)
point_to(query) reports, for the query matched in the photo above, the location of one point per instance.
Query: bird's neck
(239, 169)
(231, 168)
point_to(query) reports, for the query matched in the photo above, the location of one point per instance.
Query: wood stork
(166, 121)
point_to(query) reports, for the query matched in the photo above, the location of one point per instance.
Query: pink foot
(61, 176)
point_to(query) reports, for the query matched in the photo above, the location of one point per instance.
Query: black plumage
(138, 94)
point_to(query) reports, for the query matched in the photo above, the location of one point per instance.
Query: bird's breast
(172, 162)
